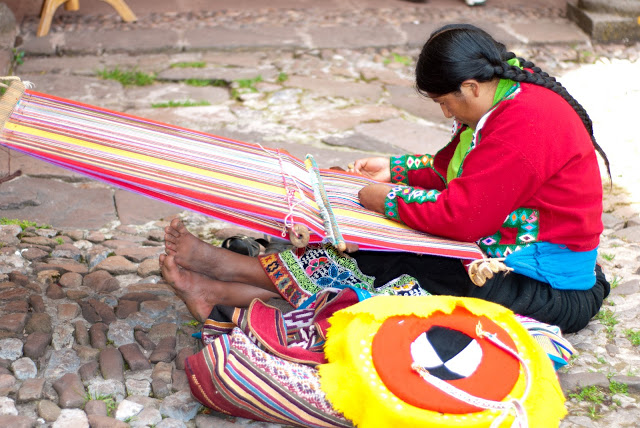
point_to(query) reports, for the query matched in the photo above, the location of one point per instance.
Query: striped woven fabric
(231, 375)
(246, 184)
(550, 338)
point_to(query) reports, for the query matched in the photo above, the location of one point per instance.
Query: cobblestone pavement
(89, 332)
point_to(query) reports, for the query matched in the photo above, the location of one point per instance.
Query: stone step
(605, 27)
(615, 7)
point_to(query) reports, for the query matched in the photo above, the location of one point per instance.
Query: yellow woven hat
(437, 361)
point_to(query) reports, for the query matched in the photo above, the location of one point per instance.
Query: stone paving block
(55, 292)
(36, 344)
(149, 416)
(140, 320)
(81, 333)
(126, 308)
(233, 58)
(336, 88)
(338, 120)
(71, 280)
(409, 100)
(95, 407)
(71, 393)
(17, 421)
(350, 36)
(98, 335)
(105, 311)
(117, 265)
(179, 380)
(160, 388)
(112, 364)
(572, 381)
(162, 371)
(50, 202)
(71, 418)
(134, 357)
(408, 137)
(149, 267)
(253, 36)
(30, 390)
(61, 362)
(138, 387)
(99, 421)
(176, 92)
(48, 410)
(113, 41)
(99, 387)
(20, 306)
(120, 333)
(547, 32)
(37, 303)
(127, 409)
(361, 142)
(24, 368)
(101, 281)
(162, 330)
(143, 339)
(13, 323)
(89, 370)
(183, 354)
(155, 308)
(11, 348)
(17, 293)
(139, 254)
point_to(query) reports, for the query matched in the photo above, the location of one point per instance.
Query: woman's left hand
(372, 197)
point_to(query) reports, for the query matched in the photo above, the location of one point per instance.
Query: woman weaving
(522, 150)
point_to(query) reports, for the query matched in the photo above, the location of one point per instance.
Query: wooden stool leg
(48, 10)
(121, 7)
(72, 5)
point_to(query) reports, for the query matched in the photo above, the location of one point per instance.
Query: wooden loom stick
(330, 224)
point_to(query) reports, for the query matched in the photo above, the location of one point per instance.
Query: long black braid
(457, 52)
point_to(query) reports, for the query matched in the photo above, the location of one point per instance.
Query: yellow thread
(118, 152)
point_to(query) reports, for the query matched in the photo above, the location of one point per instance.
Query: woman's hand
(376, 168)
(372, 197)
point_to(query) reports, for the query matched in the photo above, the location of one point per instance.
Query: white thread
(520, 421)
(14, 78)
(27, 84)
(292, 203)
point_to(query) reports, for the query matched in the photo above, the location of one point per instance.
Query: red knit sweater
(532, 153)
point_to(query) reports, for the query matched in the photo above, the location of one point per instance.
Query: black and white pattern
(446, 353)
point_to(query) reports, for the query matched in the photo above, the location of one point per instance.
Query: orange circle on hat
(493, 379)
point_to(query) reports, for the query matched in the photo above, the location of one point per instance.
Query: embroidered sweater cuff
(391, 204)
(400, 166)
(409, 195)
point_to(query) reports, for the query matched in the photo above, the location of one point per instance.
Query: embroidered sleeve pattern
(400, 166)
(524, 223)
(409, 195)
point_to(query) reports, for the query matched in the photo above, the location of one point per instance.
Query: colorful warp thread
(242, 183)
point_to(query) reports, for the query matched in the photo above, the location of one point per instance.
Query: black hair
(457, 52)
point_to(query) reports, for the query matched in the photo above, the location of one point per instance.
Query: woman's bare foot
(197, 256)
(201, 293)
(185, 246)
(191, 287)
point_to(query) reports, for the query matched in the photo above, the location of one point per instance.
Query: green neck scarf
(467, 135)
